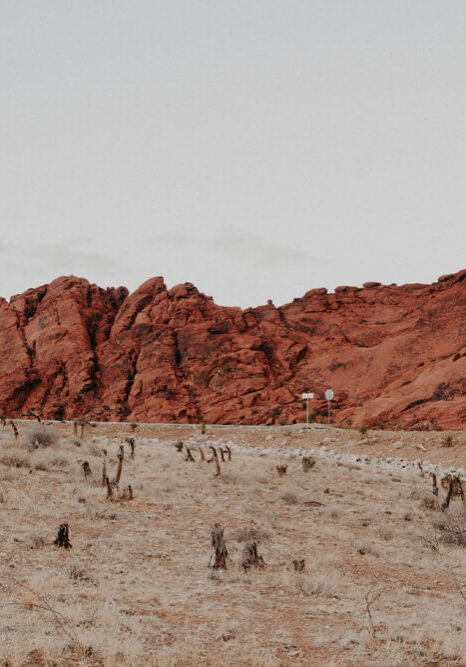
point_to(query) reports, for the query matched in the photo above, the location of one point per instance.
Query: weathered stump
(178, 446)
(218, 559)
(250, 556)
(282, 470)
(299, 564)
(308, 462)
(63, 536)
(86, 469)
(228, 451)
(201, 452)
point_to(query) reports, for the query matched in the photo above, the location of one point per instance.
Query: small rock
(421, 447)
(398, 444)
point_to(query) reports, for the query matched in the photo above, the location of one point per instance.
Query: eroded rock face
(393, 355)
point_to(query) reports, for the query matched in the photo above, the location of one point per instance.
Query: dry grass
(135, 588)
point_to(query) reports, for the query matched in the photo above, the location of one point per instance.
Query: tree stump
(228, 451)
(178, 446)
(282, 470)
(63, 536)
(299, 564)
(201, 452)
(104, 467)
(86, 469)
(250, 556)
(221, 454)
(218, 559)
(308, 462)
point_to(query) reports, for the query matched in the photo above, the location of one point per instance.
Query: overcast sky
(257, 148)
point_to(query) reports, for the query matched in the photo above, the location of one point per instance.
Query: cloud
(254, 248)
(62, 258)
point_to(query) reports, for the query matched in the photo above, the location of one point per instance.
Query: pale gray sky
(257, 148)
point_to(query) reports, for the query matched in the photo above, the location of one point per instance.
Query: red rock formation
(393, 355)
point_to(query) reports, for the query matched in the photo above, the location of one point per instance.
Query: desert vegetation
(133, 553)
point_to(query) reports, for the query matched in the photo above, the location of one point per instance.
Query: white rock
(421, 447)
(398, 444)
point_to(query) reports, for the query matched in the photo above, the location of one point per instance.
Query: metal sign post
(329, 395)
(306, 396)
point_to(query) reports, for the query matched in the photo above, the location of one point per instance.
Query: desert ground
(384, 577)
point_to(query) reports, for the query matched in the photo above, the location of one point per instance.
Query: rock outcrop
(393, 355)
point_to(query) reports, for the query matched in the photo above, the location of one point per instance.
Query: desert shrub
(282, 420)
(289, 498)
(363, 429)
(452, 528)
(40, 435)
(36, 541)
(254, 533)
(15, 458)
(133, 427)
(349, 422)
(427, 503)
(448, 440)
(77, 572)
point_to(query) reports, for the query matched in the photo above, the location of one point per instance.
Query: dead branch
(201, 452)
(228, 451)
(189, 456)
(218, 471)
(219, 550)
(13, 426)
(221, 454)
(130, 442)
(31, 413)
(117, 478)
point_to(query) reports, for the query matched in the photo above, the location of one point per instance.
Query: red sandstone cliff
(393, 355)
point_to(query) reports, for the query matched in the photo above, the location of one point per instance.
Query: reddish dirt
(393, 355)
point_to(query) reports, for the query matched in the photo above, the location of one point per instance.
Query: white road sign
(329, 394)
(307, 396)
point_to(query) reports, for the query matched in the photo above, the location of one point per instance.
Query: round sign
(329, 394)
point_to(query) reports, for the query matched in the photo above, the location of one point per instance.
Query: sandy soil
(384, 581)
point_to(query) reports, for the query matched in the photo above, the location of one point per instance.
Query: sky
(256, 148)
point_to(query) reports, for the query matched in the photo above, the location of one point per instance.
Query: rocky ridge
(394, 355)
